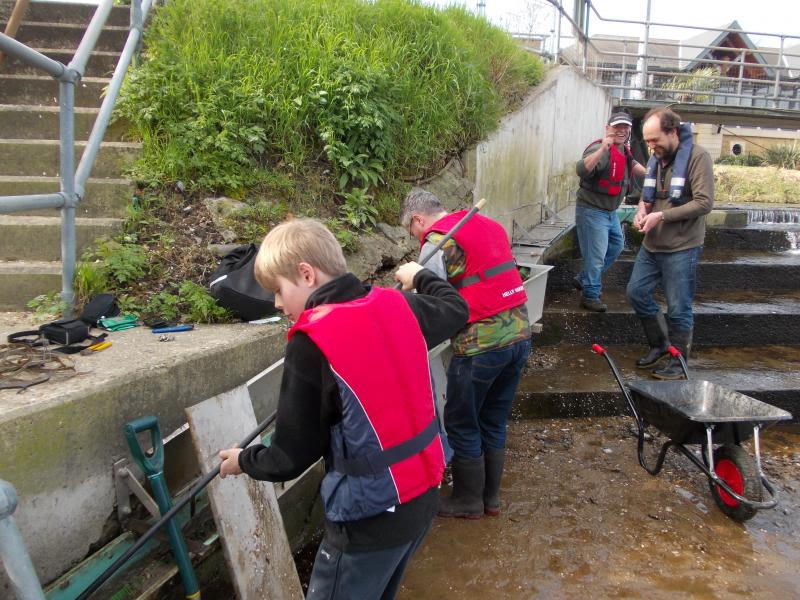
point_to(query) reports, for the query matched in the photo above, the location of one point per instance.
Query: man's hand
(651, 221)
(230, 462)
(608, 139)
(405, 274)
(639, 217)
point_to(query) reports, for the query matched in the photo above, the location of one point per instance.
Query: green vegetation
(691, 85)
(322, 108)
(756, 184)
(784, 156)
(742, 160)
(232, 91)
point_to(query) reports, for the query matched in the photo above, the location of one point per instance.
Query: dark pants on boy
(369, 575)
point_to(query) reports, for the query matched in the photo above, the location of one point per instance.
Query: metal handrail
(73, 182)
(13, 552)
(593, 61)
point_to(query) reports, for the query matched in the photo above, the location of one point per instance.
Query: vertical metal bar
(557, 50)
(643, 82)
(741, 74)
(13, 553)
(710, 449)
(67, 168)
(778, 75)
(757, 447)
(585, 24)
(136, 14)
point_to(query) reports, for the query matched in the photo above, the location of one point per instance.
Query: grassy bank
(770, 185)
(324, 108)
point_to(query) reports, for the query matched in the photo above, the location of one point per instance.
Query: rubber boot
(655, 330)
(494, 459)
(682, 340)
(466, 501)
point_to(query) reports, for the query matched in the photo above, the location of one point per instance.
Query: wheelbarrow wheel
(736, 468)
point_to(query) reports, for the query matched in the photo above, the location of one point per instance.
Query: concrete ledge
(59, 439)
(41, 122)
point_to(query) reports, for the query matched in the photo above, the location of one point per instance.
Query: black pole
(199, 486)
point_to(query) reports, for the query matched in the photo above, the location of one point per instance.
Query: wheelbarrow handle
(675, 353)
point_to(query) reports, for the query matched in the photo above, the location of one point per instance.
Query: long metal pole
(643, 85)
(13, 553)
(778, 75)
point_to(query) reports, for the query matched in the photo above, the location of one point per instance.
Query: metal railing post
(741, 75)
(778, 75)
(13, 553)
(67, 175)
(643, 86)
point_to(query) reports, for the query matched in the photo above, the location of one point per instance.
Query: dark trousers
(372, 575)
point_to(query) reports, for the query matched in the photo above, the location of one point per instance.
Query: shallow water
(582, 519)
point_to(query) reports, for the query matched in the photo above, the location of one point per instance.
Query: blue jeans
(677, 274)
(601, 241)
(373, 575)
(480, 391)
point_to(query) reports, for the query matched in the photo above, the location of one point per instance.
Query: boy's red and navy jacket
(310, 406)
(386, 450)
(490, 283)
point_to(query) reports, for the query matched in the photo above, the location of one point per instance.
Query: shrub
(742, 160)
(784, 156)
(378, 88)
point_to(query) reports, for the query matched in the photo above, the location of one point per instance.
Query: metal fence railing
(724, 68)
(13, 554)
(72, 181)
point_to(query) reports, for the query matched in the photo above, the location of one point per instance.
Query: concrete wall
(530, 158)
(59, 440)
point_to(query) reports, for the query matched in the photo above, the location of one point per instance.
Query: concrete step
(571, 381)
(719, 269)
(21, 281)
(722, 318)
(40, 158)
(39, 238)
(41, 123)
(104, 197)
(43, 90)
(69, 36)
(60, 12)
(101, 63)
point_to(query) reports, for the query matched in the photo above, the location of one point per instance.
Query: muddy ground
(582, 519)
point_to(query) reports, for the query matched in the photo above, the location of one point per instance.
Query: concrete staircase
(747, 328)
(29, 147)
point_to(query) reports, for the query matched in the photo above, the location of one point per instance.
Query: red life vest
(491, 282)
(387, 448)
(616, 178)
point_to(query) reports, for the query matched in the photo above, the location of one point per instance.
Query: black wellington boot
(494, 459)
(466, 501)
(682, 340)
(655, 330)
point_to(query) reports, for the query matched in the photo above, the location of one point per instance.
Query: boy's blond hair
(293, 242)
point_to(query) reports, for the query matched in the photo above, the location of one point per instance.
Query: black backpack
(233, 285)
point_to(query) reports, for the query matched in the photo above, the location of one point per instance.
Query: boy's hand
(405, 274)
(230, 462)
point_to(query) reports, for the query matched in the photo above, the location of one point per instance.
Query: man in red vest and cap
(605, 170)
(489, 353)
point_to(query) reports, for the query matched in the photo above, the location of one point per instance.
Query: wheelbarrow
(719, 420)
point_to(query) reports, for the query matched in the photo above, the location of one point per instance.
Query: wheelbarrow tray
(682, 410)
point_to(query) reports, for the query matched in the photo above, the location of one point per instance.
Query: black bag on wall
(234, 285)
